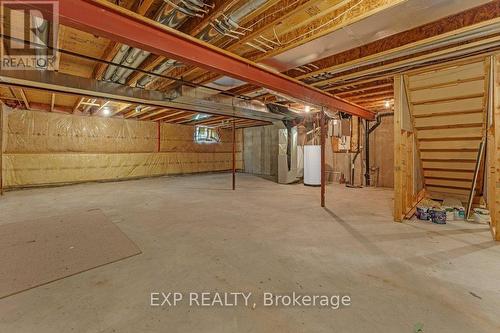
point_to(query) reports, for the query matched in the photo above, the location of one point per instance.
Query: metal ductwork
(42, 33)
(184, 100)
(201, 95)
(173, 14)
(223, 25)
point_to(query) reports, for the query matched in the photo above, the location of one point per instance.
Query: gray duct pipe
(133, 57)
(42, 33)
(368, 131)
(222, 27)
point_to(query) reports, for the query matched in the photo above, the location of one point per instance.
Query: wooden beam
(77, 104)
(493, 193)
(363, 90)
(152, 114)
(175, 116)
(398, 153)
(25, 100)
(123, 108)
(170, 114)
(144, 6)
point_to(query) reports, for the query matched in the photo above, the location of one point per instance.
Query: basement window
(204, 134)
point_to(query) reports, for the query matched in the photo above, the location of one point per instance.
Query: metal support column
(323, 169)
(234, 155)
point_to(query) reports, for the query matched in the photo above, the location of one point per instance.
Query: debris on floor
(450, 209)
(482, 215)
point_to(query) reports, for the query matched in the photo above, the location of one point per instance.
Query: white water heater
(312, 165)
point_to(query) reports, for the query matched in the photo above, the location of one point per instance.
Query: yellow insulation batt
(44, 169)
(43, 148)
(42, 132)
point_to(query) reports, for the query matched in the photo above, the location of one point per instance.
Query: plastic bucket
(438, 216)
(422, 213)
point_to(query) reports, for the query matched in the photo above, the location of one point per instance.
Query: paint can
(422, 213)
(438, 216)
(459, 213)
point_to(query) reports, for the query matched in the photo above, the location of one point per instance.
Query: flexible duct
(133, 57)
(42, 33)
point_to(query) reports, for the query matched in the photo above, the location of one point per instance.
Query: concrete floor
(196, 235)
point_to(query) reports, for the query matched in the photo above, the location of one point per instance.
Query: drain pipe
(368, 131)
(353, 162)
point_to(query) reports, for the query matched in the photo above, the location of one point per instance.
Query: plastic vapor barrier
(43, 148)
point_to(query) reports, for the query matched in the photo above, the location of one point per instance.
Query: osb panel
(5, 92)
(66, 100)
(38, 96)
(43, 169)
(82, 42)
(76, 66)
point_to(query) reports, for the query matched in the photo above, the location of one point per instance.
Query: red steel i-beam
(104, 19)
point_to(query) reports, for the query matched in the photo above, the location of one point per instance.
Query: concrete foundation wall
(261, 150)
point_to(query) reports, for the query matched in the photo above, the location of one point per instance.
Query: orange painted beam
(104, 19)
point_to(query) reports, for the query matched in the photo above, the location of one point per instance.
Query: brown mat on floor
(37, 252)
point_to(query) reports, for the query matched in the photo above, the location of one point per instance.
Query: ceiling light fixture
(106, 112)
(307, 108)
(387, 104)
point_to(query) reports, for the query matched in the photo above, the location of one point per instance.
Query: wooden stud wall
(493, 147)
(406, 194)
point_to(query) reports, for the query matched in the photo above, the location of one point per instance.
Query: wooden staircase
(448, 111)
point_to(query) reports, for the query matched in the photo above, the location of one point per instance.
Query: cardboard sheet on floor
(34, 253)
